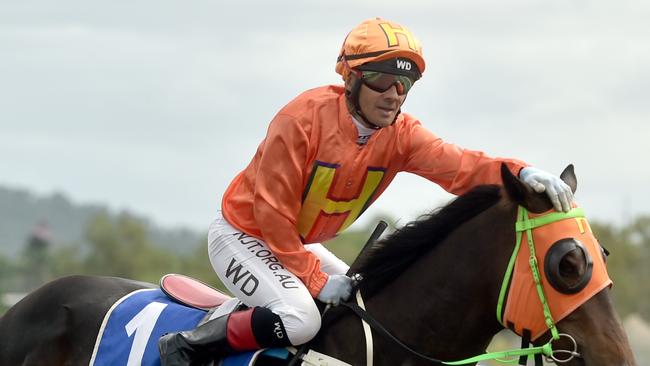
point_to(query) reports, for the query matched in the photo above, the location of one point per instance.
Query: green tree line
(120, 246)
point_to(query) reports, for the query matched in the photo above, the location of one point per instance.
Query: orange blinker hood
(521, 300)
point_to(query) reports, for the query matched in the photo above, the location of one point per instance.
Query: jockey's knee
(300, 322)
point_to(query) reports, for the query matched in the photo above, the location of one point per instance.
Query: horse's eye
(568, 266)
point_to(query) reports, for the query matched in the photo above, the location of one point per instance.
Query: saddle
(192, 292)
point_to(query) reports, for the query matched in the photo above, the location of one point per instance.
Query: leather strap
(366, 331)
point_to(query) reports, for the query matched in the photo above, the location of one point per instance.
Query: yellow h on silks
(320, 208)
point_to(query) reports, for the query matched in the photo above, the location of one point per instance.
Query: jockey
(327, 156)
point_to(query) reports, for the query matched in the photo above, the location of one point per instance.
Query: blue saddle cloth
(131, 328)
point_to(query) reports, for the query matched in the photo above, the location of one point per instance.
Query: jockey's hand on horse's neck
(558, 192)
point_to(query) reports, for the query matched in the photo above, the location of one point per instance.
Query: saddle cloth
(131, 328)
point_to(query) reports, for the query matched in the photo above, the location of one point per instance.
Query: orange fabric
(379, 39)
(309, 179)
(523, 306)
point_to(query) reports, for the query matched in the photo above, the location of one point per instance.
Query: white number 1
(143, 323)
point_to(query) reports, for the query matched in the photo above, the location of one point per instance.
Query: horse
(434, 284)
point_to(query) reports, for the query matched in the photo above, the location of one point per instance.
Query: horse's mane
(390, 256)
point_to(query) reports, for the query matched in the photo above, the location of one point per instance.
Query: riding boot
(239, 331)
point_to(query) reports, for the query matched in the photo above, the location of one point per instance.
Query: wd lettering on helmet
(396, 66)
(403, 64)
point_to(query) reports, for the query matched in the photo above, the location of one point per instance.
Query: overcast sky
(153, 106)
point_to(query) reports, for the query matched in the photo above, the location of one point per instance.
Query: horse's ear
(569, 177)
(522, 194)
(515, 188)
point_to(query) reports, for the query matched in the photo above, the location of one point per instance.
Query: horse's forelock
(392, 255)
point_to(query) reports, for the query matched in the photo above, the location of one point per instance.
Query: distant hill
(21, 211)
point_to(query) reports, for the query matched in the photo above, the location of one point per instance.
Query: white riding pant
(251, 272)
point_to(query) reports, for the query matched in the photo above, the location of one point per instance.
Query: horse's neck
(445, 303)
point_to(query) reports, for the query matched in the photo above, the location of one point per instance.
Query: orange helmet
(376, 40)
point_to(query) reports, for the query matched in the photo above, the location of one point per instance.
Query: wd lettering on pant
(267, 257)
(269, 329)
(278, 330)
(249, 285)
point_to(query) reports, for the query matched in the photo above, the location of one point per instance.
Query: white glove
(337, 288)
(541, 181)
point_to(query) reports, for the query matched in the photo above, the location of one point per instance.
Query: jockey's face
(379, 108)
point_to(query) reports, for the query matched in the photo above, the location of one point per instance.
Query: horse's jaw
(601, 339)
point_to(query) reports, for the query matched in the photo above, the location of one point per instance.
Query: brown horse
(434, 284)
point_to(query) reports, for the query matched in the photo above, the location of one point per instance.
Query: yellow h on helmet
(376, 40)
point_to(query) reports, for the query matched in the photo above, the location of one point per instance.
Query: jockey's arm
(458, 170)
(455, 169)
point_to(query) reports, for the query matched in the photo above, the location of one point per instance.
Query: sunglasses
(381, 82)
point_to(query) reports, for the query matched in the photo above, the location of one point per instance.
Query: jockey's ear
(569, 177)
(523, 194)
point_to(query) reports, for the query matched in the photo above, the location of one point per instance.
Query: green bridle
(526, 224)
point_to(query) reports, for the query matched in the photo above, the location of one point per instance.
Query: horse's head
(573, 280)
